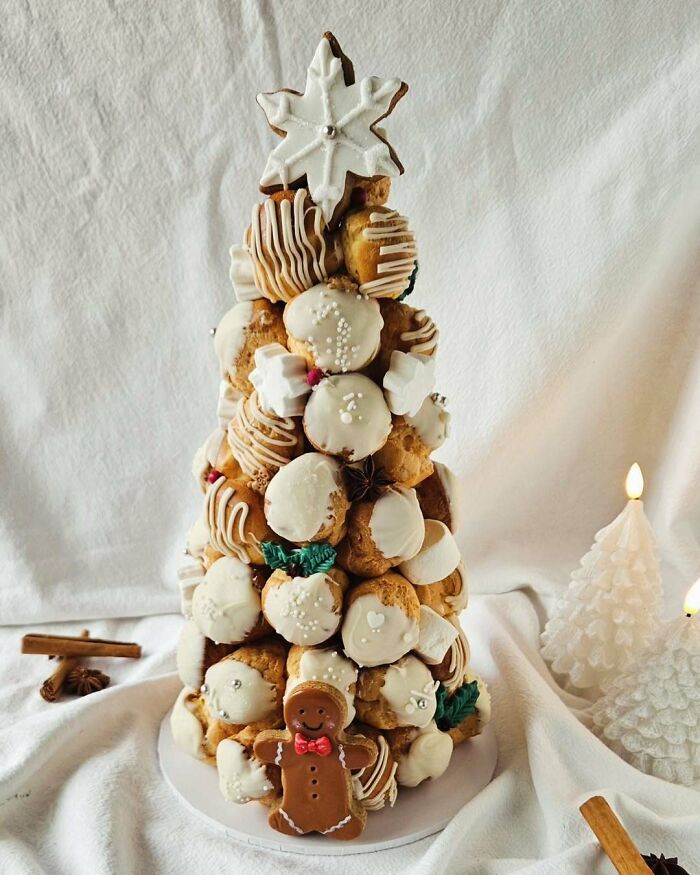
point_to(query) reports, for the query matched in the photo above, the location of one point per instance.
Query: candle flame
(634, 483)
(691, 605)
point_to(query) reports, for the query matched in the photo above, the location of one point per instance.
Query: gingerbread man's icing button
(316, 758)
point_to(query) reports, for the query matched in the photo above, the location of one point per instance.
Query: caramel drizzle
(221, 532)
(393, 275)
(260, 454)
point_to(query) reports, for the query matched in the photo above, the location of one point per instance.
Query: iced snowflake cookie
(235, 519)
(326, 664)
(280, 380)
(334, 327)
(243, 692)
(379, 250)
(226, 604)
(402, 694)
(240, 332)
(381, 620)
(214, 458)
(347, 416)
(405, 329)
(262, 442)
(306, 500)
(195, 653)
(289, 245)
(438, 496)
(420, 753)
(375, 786)
(243, 778)
(382, 533)
(304, 610)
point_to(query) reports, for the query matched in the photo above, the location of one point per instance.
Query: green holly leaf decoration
(451, 710)
(301, 561)
(411, 284)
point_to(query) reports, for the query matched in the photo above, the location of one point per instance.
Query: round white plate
(419, 811)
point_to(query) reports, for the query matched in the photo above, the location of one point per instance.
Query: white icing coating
(330, 667)
(280, 379)
(242, 274)
(459, 658)
(483, 703)
(341, 327)
(227, 403)
(241, 777)
(423, 339)
(302, 609)
(189, 656)
(235, 692)
(267, 439)
(428, 757)
(229, 338)
(438, 556)
(328, 130)
(285, 259)
(437, 635)
(409, 690)
(188, 733)
(374, 634)
(408, 382)
(397, 258)
(197, 539)
(299, 498)
(189, 577)
(431, 422)
(450, 486)
(206, 456)
(226, 605)
(375, 789)
(227, 537)
(347, 415)
(396, 525)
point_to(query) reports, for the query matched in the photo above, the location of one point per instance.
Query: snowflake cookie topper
(329, 130)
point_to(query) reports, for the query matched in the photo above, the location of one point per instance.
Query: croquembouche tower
(322, 657)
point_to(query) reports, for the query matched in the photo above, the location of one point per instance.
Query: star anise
(366, 481)
(663, 865)
(84, 681)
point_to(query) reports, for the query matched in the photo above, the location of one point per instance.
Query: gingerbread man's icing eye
(321, 711)
(301, 710)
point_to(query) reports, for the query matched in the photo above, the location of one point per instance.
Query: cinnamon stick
(613, 837)
(52, 686)
(66, 645)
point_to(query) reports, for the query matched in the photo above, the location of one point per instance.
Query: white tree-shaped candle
(609, 612)
(650, 715)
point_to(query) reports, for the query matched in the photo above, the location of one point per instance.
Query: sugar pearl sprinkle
(329, 675)
(296, 608)
(349, 412)
(419, 697)
(339, 344)
(234, 789)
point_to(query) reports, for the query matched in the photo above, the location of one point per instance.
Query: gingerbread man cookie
(316, 758)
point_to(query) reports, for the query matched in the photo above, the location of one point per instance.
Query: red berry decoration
(358, 197)
(314, 377)
(214, 475)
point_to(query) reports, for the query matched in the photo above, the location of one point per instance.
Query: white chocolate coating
(241, 777)
(227, 404)
(302, 610)
(230, 336)
(347, 415)
(374, 634)
(331, 667)
(242, 274)
(226, 605)
(267, 438)
(341, 327)
(197, 539)
(409, 690)
(280, 379)
(396, 525)
(431, 421)
(188, 733)
(234, 692)
(408, 382)
(190, 655)
(375, 789)
(483, 703)
(436, 636)
(189, 577)
(438, 556)
(450, 486)
(206, 456)
(298, 500)
(428, 757)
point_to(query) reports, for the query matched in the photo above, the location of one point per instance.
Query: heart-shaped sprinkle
(375, 620)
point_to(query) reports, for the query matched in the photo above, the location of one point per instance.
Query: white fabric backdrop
(552, 178)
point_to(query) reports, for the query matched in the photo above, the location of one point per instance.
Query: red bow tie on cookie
(321, 746)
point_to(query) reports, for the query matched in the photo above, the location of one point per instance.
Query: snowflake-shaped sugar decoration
(280, 378)
(329, 129)
(408, 382)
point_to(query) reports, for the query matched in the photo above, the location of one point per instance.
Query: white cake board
(419, 811)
